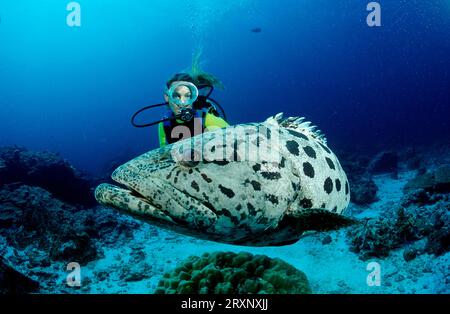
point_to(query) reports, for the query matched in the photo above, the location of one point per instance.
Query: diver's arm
(161, 135)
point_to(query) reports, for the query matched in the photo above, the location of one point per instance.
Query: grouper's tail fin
(298, 124)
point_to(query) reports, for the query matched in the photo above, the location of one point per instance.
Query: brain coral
(228, 272)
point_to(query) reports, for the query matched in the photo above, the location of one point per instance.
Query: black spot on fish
(209, 205)
(250, 131)
(228, 192)
(272, 198)
(235, 151)
(226, 212)
(338, 185)
(190, 171)
(195, 186)
(268, 133)
(346, 188)
(234, 220)
(297, 134)
(251, 209)
(213, 149)
(292, 147)
(205, 177)
(271, 175)
(206, 197)
(282, 162)
(310, 151)
(295, 186)
(221, 162)
(175, 180)
(238, 207)
(330, 163)
(256, 185)
(257, 141)
(328, 185)
(325, 148)
(323, 205)
(256, 167)
(306, 203)
(334, 209)
(308, 169)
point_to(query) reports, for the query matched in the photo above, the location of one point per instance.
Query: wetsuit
(207, 116)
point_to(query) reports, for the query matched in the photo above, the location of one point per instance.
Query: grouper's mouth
(142, 198)
(137, 195)
(129, 201)
(158, 201)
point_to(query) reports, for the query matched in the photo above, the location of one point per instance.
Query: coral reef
(355, 165)
(421, 215)
(411, 158)
(30, 216)
(363, 191)
(44, 231)
(46, 170)
(384, 162)
(227, 272)
(41, 230)
(12, 281)
(437, 180)
(47, 217)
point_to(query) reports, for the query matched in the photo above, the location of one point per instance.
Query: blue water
(73, 89)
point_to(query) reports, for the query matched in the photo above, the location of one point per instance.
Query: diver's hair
(196, 75)
(180, 77)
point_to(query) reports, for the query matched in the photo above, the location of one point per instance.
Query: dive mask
(175, 93)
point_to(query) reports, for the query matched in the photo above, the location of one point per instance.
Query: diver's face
(182, 95)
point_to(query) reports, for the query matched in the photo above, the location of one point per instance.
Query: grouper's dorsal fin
(298, 124)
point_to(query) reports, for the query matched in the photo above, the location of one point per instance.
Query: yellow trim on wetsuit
(212, 123)
(161, 134)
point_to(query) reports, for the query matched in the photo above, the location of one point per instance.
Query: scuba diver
(190, 110)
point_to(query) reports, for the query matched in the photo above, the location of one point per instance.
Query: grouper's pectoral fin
(297, 224)
(124, 200)
(316, 219)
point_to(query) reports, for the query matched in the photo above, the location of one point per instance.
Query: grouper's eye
(189, 158)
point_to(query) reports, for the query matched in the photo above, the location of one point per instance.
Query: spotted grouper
(255, 184)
